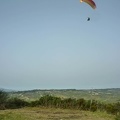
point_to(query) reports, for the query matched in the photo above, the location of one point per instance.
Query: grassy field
(41, 113)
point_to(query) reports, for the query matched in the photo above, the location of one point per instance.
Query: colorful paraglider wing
(90, 2)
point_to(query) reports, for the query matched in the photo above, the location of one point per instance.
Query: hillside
(104, 95)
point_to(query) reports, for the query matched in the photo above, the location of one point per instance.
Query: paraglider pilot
(88, 19)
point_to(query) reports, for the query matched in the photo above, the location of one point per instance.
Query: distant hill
(104, 95)
(7, 90)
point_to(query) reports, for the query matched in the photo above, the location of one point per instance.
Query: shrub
(14, 103)
(117, 117)
(81, 104)
(3, 99)
(93, 108)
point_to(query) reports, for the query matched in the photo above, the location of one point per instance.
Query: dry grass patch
(42, 113)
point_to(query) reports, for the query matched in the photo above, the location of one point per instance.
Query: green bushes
(82, 104)
(113, 108)
(10, 103)
(51, 101)
(3, 99)
(14, 103)
(117, 117)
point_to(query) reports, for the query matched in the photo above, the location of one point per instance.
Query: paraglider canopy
(90, 2)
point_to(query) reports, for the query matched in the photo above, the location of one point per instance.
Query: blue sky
(49, 44)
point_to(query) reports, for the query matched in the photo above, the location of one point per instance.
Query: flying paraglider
(90, 2)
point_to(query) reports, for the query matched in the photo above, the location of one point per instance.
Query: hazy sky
(49, 44)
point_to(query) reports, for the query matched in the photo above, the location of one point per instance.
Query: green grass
(42, 113)
(12, 116)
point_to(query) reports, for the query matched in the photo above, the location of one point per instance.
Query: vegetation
(102, 95)
(15, 103)
(43, 113)
(117, 117)
(81, 104)
(3, 99)
(49, 101)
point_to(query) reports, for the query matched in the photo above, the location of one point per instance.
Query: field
(42, 113)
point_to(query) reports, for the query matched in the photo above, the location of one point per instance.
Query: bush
(3, 99)
(14, 103)
(81, 104)
(34, 103)
(113, 108)
(93, 108)
(117, 117)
